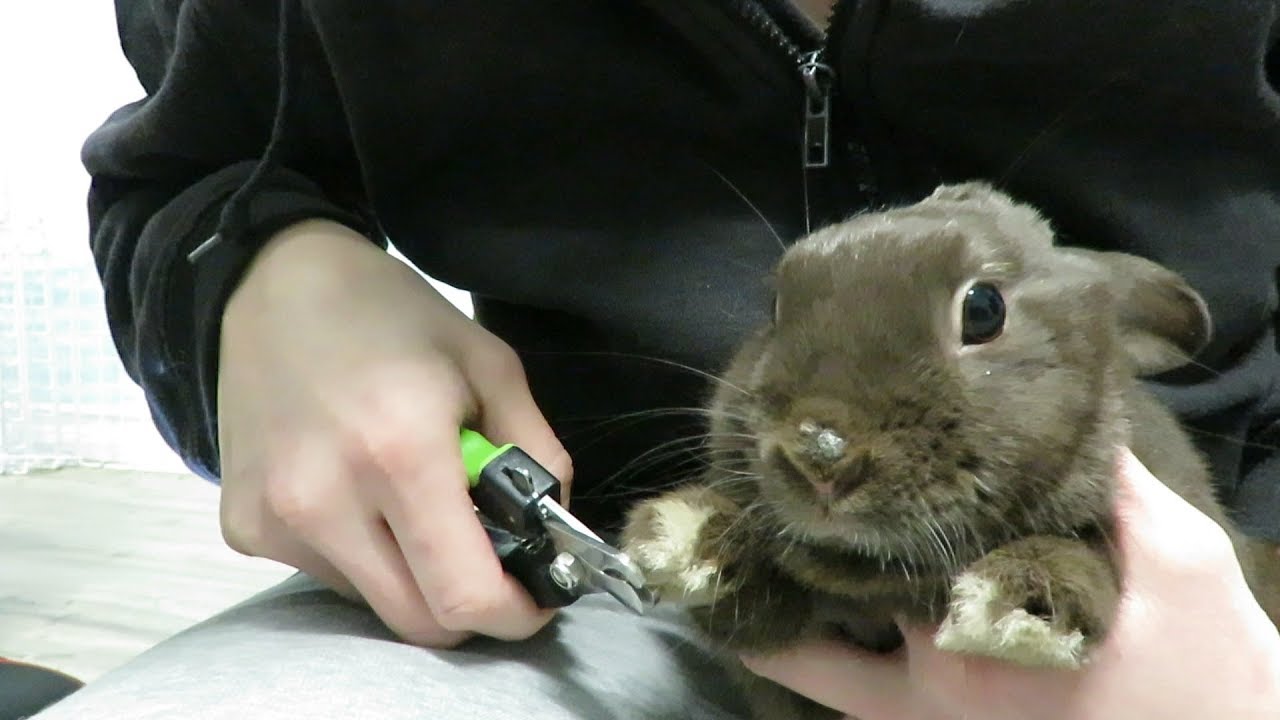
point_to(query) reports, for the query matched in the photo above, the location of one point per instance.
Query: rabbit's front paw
(1039, 602)
(671, 538)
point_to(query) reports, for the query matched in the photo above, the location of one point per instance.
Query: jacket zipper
(817, 78)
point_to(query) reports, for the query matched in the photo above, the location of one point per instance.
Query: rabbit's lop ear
(1163, 321)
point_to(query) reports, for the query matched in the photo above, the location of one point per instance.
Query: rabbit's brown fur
(969, 485)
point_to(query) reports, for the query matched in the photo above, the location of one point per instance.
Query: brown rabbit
(928, 428)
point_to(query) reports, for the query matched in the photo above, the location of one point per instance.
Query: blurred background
(107, 543)
(64, 399)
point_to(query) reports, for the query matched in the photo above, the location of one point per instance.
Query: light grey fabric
(299, 651)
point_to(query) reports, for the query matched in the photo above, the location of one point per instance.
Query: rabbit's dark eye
(983, 314)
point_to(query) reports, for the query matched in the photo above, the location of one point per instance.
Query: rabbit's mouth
(919, 545)
(809, 513)
(921, 529)
(820, 525)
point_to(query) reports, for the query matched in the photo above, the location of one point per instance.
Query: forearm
(162, 171)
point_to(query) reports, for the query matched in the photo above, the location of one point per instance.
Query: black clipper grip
(529, 561)
(507, 494)
(508, 491)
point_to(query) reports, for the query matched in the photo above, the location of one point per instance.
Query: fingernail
(1129, 465)
(1124, 456)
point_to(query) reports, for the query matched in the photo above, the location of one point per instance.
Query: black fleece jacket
(607, 178)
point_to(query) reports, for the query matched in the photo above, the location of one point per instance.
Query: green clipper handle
(477, 452)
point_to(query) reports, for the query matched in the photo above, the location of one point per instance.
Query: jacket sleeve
(162, 170)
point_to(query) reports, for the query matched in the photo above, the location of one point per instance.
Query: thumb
(1156, 525)
(509, 414)
(1142, 500)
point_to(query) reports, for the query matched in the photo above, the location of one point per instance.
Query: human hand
(344, 379)
(1189, 641)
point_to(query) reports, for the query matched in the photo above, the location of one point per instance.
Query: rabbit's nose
(823, 446)
(822, 454)
(837, 481)
(833, 466)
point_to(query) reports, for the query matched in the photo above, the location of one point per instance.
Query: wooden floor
(97, 565)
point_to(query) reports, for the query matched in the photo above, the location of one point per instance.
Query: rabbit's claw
(983, 623)
(667, 537)
(1041, 602)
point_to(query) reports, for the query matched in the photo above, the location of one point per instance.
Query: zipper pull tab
(818, 78)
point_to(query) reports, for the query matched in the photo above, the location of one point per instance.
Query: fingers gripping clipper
(553, 554)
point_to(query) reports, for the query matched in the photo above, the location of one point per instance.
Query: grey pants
(299, 651)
